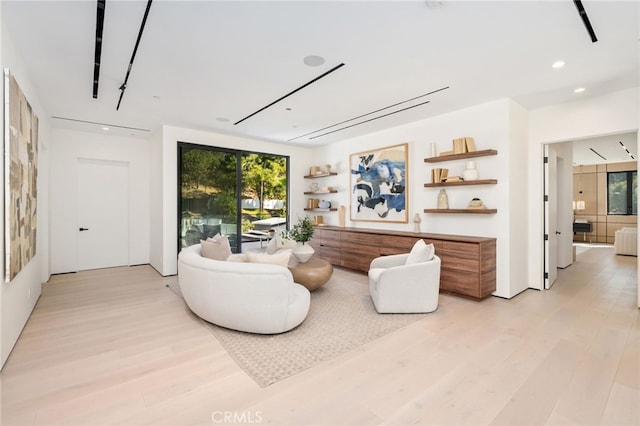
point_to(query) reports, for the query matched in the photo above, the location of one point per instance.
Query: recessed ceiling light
(222, 119)
(313, 60)
(105, 128)
(557, 64)
(579, 90)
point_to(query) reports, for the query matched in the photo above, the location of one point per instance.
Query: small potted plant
(302, 233)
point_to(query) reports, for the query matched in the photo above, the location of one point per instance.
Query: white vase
(470, 172)
(303, 252)
(443, 199)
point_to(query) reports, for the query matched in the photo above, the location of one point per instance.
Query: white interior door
(550, 217)
(103, 214)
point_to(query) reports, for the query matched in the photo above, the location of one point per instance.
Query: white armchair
(396, 287)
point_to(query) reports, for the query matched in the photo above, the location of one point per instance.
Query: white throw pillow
(421, 252)
(215, 238)
(286, 243)
(272, 246)
(281, 258)
(216, 249)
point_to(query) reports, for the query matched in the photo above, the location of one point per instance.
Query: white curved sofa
(252, 297)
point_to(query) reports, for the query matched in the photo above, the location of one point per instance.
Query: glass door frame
(239, 186)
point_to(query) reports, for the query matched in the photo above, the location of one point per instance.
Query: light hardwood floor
(117, 347)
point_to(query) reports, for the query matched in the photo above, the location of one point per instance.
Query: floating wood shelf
(317, 209)
(462, 183)
(468, 211)
(333, 191)
(320, 175)
(462, 156)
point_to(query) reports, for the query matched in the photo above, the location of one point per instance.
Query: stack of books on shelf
(439, 175)
(453, 179)
(460, 146)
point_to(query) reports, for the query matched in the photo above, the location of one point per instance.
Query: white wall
(67, 147)
(18, 298)
(499, 125)
(616, 112)
(300, 160)
(156, 218)
(518, 208)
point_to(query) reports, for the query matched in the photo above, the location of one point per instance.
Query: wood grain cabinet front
(468, 263)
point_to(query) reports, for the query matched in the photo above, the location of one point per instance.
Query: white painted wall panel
(67, 147)
(18, 298)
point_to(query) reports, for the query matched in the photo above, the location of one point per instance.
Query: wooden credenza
(468, 263)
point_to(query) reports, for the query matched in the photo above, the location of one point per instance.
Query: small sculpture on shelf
(476, 203)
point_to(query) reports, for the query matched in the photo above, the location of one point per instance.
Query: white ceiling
(207, 64)
(608, 147)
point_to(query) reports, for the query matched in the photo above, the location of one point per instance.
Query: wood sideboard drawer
(460, 264)
(455, 282)
(461, 250)
(359, 239)
(394, 243)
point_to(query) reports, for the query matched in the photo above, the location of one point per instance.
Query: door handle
(558, 233)
(83, 229)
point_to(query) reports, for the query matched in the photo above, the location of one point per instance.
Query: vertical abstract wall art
(378, 184)
(20, 174)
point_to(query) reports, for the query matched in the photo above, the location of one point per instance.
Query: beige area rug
(341, 318)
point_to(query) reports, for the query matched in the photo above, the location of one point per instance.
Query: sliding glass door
(240, 194)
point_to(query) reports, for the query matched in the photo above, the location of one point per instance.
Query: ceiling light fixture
(580, 204)
(370, 113)
(75, 120)
(98, 46)
(627, 150)
(123, 87)
(598, 154)
(585, 20)
(313, 60)
(579, 90)
(290, 93)
(557, 64)
(105, 128)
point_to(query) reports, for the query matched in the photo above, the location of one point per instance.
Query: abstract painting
(378, 184)
(21, 172)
